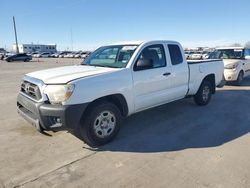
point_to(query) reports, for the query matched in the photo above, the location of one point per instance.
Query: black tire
(204, 94)
(239, 80)
(89, 134)
(26, 60)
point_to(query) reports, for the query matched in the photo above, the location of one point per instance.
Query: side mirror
(143, 64)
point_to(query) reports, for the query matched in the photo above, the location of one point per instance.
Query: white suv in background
(236, 62)
(44, 54)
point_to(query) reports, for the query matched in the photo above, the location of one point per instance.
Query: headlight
(232, 66)
(58, 93)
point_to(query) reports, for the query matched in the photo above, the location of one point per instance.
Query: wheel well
(117, 99)
(211, 79)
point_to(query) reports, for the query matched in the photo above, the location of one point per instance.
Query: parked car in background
(70, 55)
(54, 55)
(125, 78)
(82, 55)
(205, 55)
(8, 54)
(33, 54)
(236, 62)
(19, 57)
(78, 54)
(196, 55)
(43, 55)
(188, 54)
(86, 55)
(36, 55)
(64, 54)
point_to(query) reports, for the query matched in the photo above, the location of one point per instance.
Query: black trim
(46, 115)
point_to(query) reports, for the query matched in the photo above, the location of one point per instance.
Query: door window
(155, 54)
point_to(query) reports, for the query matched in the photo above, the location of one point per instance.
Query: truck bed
(198, 69)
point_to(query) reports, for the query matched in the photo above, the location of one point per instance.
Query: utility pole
(14, 23)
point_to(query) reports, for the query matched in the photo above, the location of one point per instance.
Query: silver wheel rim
(205, 93)
(104, 124)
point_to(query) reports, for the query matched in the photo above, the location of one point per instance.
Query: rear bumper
(50, 117)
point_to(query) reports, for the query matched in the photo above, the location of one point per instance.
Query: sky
(87, 24)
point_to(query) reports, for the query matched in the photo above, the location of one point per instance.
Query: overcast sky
(97, 22)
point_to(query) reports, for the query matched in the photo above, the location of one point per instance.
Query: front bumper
(231, 74)
(50, 117)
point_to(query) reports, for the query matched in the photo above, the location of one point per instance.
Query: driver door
(152, 86)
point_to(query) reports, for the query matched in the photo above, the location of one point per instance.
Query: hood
(231, 61)
(63, 75)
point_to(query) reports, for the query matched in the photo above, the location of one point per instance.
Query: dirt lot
(175, 145)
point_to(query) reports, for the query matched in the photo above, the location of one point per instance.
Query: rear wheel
(204, 94)
(101, 124)
(240, 78)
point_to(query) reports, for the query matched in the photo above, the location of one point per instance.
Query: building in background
(29, 48)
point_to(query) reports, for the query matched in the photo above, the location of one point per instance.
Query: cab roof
(141, 42)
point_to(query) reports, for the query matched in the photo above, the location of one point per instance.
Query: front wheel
(101, 124)
(240, 78)
(204, 94)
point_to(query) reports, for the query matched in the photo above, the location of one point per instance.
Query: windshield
(226, 54)
(111, 56)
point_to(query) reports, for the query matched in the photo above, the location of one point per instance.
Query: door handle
(166, 74)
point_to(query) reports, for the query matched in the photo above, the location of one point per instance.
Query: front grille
(31, 90)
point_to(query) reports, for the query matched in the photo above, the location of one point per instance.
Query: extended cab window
(175, 54)
(153, 54)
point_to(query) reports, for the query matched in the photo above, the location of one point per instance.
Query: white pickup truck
(115, 81)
